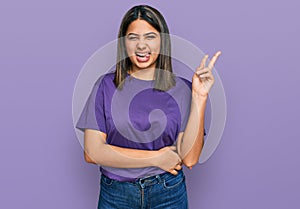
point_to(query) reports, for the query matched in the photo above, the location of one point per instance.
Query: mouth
(143, 56)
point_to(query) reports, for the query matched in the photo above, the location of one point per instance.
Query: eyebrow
(146, 34)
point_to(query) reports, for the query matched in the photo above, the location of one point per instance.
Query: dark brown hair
(164, 78)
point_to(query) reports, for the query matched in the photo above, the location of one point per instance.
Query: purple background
(43, 46)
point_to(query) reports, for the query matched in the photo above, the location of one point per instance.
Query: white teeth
(141, 54)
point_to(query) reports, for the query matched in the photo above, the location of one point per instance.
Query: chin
(144, 65)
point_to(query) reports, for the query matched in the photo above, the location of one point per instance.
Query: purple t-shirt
(136, 117)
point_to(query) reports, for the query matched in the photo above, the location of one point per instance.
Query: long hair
(164, 78)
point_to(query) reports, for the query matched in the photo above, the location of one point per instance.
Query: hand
(169, 160)
(203, 79)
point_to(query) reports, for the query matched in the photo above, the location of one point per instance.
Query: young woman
(141, 123)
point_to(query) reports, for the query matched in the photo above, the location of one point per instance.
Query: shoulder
(105, 80)
(182, 82)
(182, 89)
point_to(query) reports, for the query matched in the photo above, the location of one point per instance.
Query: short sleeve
(185, 103)
(92, 115)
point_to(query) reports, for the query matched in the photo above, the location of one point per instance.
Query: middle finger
(202, 71)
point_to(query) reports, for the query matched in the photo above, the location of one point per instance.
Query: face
(142, 43)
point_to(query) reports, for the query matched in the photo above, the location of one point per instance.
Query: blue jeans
(163, 191)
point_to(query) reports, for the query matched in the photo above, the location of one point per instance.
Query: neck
(143, 74)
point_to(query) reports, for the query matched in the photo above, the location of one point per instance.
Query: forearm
(192, 141)
(98, 152)
(120, 157)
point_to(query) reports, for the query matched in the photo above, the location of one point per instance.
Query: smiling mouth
(145, 54)
(142, 57)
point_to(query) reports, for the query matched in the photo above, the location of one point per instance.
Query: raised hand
(203, 78)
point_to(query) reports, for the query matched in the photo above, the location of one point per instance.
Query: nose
(141, 45)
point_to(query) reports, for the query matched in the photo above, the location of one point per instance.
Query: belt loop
(159, 178)
(141, 183)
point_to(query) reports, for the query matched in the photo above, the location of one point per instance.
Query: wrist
(154, 160)
(199, 97)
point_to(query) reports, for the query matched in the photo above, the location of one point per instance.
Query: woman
(141, 152)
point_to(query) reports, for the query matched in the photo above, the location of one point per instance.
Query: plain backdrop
(44, 45)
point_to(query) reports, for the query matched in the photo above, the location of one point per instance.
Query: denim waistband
(127, 178)
(151, 180)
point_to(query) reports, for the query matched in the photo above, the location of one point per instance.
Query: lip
(143, 56)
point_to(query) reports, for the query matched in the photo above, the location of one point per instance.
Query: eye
(132, 38)
(150, 37)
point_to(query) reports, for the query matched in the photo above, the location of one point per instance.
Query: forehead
(140, 27)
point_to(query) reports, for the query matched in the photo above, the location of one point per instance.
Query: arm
(98, 152)
(191, 141)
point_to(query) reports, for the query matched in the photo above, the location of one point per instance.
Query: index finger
(213, 60)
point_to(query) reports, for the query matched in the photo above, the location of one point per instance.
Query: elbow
(190, 161)
(93, 144)
(88, 158)
(192, 158)
(91, 155)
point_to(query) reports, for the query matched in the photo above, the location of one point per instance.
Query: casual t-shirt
(137, 117)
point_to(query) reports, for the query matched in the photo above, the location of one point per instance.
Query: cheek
(130, 49)
(155, 46)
